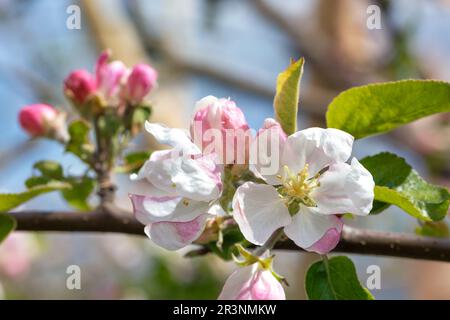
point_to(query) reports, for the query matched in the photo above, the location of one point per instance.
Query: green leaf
(287, 96)
(35, 181)
(377, 108)
(398, 184)
(7, 224)
(133, 162)
(49, 169)
(9, 201)
(77, 196)
(79, 143)
(438, 229)
(334, 279)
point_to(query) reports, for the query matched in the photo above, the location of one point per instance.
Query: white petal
(259, 211)
(177, 138)
(252, 283)
(197, 179)
(176, 235)
(175, 209)
(316, 147)
(345, 188)
(205, 102)
(265, 151)
(308, 226)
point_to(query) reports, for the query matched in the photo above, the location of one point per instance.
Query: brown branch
(353, 240)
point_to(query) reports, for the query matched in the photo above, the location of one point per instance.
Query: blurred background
(226, 48)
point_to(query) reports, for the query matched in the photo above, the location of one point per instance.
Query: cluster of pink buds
(113, 84)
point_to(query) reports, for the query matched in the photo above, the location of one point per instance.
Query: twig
(353, 240)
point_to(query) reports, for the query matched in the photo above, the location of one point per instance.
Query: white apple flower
(310, 186)
(180, 185)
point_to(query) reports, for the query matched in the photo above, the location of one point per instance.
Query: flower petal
(316, 147)
(259, 211)
(345, 188)
(176, 235)
(329, 241)
(252, 283)
(174, 137)
(266, 150)
(167, 208)
(197, 179)
(308, 227)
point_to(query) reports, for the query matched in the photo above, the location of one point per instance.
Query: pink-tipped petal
(176, 235)
(329, 241)
(150, 209)
(308, 226)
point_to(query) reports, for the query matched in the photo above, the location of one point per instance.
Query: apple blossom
(310, 186)
(140, 82)
(252, 282)
(179, 189)
(223, 118)
(108, 76)
(79, 86)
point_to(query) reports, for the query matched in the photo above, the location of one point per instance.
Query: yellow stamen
(297, 187)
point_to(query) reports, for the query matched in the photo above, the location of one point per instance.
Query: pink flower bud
(252, 283)
(79, 85)
(109, 75)
(219, 126)
(140, 82)
(36, 119)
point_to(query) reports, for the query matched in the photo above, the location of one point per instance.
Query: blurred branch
(314, 99)
(353, 240)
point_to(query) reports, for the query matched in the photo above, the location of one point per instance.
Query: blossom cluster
(112, 85)
(299, 184)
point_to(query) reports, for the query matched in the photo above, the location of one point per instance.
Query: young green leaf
(7, 224)
(49, 169)
(133, 162)
(334, 279)
(287, 96)
(377, 108)
(79, 143)
(398, 184)
(9, 201)
(77, 196)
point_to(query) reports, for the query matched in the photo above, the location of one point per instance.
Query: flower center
(296, 188)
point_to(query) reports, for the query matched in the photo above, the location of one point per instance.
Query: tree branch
(353, 240)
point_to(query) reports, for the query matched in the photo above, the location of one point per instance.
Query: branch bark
(353, 240)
